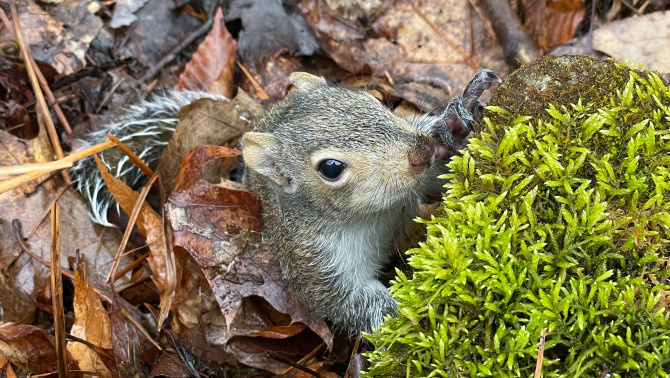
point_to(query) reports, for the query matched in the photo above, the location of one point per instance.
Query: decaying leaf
(219, 226)
(429, 48)
(97, 245)
(637, 40)
(206, 121)
(162, 259)
(212, 66)
(30, 348)
(91, 323)
(551, 23)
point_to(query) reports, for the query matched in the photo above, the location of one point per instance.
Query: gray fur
(331, 244)
(146, 129)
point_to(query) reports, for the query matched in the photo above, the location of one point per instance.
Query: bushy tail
(146, 128)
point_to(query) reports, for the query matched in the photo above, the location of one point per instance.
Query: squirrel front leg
(451, 129)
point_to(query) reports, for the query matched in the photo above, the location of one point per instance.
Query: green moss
(553, 220)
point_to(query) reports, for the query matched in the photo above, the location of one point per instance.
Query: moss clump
(556, 221)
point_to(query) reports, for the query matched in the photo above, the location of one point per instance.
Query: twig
(261, 93)
(131, 266)
(354, 350)
(306, 357)
(540, 354)
(57, 291)
(40, 77)
(132, 156)
(49, 166)
(43, 109)
(204, 28)
(16, 228)
(278, 357)
(18, 181)
(131, 222)
(518, 47)
(44, 216)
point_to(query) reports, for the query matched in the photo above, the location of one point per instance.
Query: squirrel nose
(421, 156)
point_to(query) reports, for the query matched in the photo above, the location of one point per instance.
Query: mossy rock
(555, 219)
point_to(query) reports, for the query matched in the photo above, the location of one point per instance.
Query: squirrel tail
(146, 128)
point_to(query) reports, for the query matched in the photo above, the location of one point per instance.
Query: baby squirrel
(339, 177)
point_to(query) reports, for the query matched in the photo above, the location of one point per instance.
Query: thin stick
(540, 355)
(18, 181)
(57, 291)
(306, 357)
(354, 350)
(204, 28)
(278, 357)
(261, 93)
(132, 266)
(132, 156)
(131, 222)
(16, 227)
(43, 109)
(41, 79)
(44, 216)
(49, 166)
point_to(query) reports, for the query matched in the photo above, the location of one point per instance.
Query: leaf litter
(196, 291)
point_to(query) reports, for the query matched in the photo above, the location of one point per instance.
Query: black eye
(331, 169)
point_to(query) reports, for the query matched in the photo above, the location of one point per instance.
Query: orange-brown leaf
(219, 225)
(213, 64)
(30, 348)
(161, 260)
(551, 23)
(92, 324)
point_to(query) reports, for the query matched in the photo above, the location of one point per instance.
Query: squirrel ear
(304, 81)
(261, 152)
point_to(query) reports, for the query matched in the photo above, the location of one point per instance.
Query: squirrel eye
(330, 169)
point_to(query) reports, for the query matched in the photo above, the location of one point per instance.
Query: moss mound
(556, 219)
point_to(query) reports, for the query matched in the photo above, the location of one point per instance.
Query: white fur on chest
(359, 250)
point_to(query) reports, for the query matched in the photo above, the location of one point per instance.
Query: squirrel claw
(463, 112)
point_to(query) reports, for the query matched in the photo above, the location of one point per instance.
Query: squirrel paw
(459, 118)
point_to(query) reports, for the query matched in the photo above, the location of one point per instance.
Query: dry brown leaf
(551, 23)
(206, 121)
(430, 48)
(150, 224)
(127, 341)
(30, 348)
(220, 228)
(91, 323)
(212, 66)
(637, 40)
(6, 370)
(58, 35)
(97, 245)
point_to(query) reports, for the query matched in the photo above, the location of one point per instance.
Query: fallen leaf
(30, 348)
(123, 12)
(97, 245)
(150, 224)
(6, 370)
(127, 341)
(429, 48)
(551, 23)
(206, 121)
(91, 323)
(220, 226)
(637, 40)
(213, 64)
(58, 35)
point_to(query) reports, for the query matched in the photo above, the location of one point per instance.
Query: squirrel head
(341, 151)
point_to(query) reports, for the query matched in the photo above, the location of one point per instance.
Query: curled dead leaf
(219, 226)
